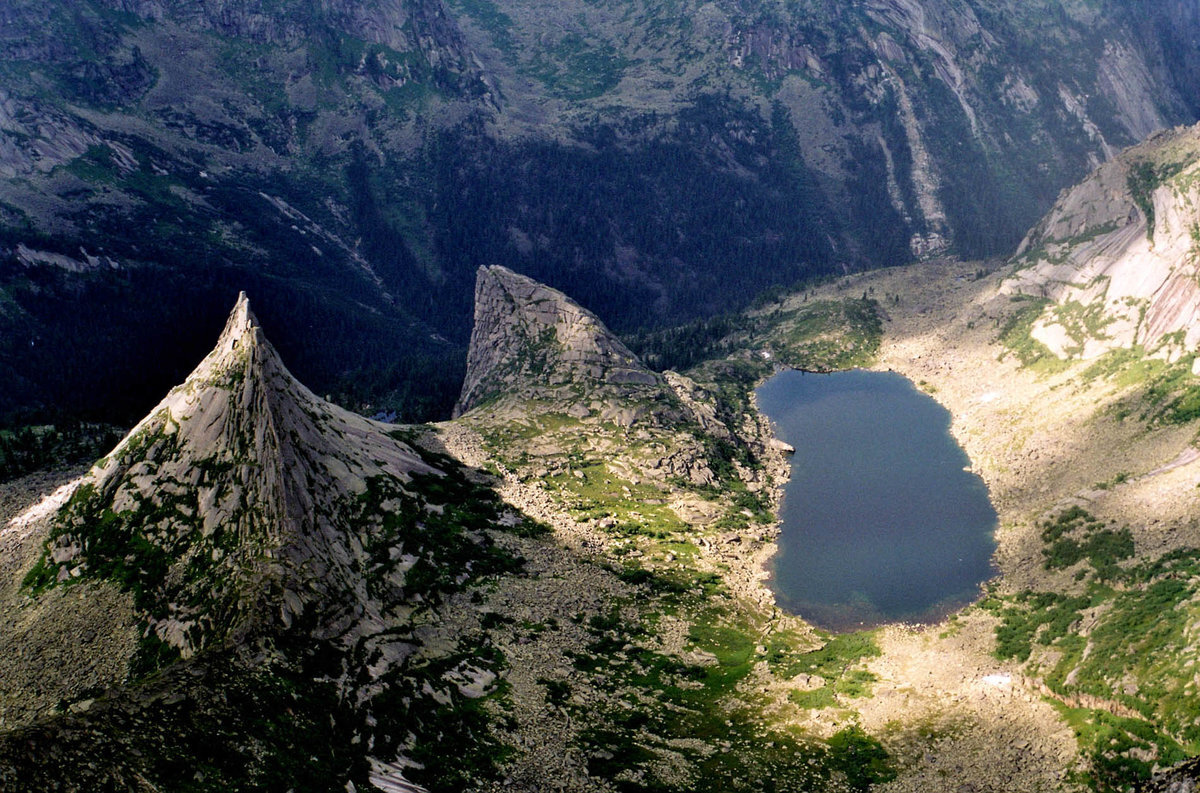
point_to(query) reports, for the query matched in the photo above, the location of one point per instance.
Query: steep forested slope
(659, 160)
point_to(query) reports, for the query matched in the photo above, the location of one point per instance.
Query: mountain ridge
(363, 162)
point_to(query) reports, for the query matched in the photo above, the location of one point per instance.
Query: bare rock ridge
(528, 337)
(227, 505)
(1118, 255)
(243, 529)
(535, 351)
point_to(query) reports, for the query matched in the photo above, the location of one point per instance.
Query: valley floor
(1041, 441)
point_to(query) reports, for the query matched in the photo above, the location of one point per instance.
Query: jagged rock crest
(528, 336)
(227, 506)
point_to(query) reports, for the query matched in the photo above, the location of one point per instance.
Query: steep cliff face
(657, 161)
(1117, 256)
(1167, 33)
(528, 338)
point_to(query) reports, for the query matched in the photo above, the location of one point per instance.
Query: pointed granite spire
(530, 336)
(241, 322)
(242, 333)
(237, 486)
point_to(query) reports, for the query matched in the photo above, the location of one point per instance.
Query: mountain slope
(658, 161)
(1117, 256)
(240, 559)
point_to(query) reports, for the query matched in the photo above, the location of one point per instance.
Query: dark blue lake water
(881, 522)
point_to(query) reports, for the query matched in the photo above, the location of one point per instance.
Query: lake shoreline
(881, 519)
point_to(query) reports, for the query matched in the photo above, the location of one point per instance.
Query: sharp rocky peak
(245, 533)
(232, 504)
(529, 337)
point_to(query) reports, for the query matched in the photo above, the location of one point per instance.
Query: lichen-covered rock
(226, 507)
(528, 337)
(1117, 256)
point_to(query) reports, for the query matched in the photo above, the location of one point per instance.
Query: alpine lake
(882, 519)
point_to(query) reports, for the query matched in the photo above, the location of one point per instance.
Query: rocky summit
(233, 488)
(243, 529)
(528, 337)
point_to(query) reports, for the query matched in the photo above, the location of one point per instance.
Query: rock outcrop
(244, 528)
(1181, 778)
(230, 507)
(529, 338)
(1118, 255)
(536, 351)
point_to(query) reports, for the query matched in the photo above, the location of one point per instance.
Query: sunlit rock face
(529, 336)
(229, 503)
(1117, 256)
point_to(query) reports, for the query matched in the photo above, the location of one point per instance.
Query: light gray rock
(278, 467)
(528, 336)
(1118, 255)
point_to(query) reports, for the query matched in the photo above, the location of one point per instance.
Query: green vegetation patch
(1160, 392)
(1117, 748)
(1123, 676)
(703, 733)
(821, 336)
(1173, 395)
(579, 68)
(591, 491)
(488, 16)
(1125, 366)
(839, 662)
(1082, 322)
(1074, 535)
(1029, 617)
(1017, 336)
(830, 660)
(685, 346)
(828, 335)
(1144, 178)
